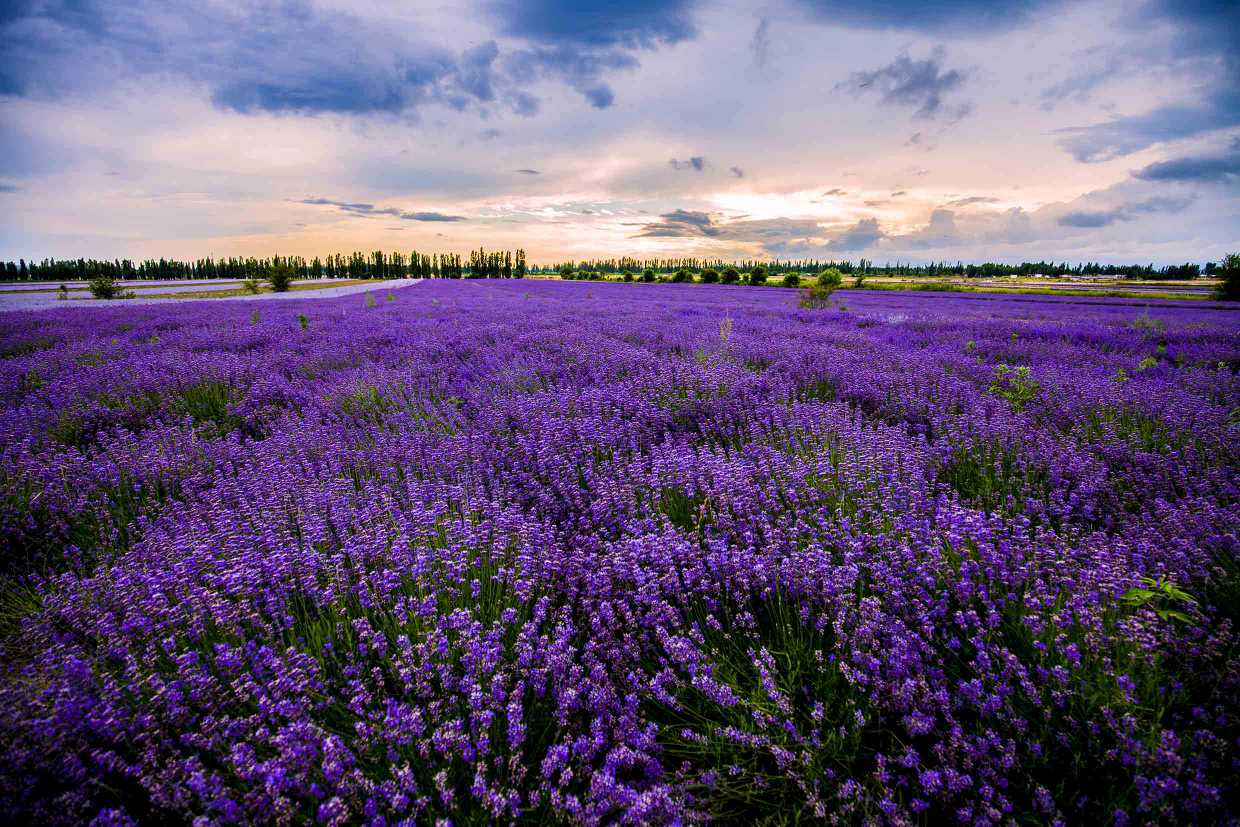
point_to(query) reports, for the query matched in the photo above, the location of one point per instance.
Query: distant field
(541, 552)
(172, 291)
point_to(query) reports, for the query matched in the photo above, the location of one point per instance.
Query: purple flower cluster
(531, 551)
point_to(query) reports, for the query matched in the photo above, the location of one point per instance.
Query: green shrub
(648, 275)
(1014, 385)
(792, 280)
(682, 276)
(252, 285)
(758, 275)
(105, 287)
(816, 297)
(710, 276)
(63, 293)
(280, 278)
(1229, 272)
(730, 275)
(830, 277)
(628, 275)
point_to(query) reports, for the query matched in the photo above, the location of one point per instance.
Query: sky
(1001, 130)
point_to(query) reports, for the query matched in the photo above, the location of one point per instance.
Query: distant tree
(730, 275)
(566, 272)
(1229, 271)
(710, 276)
(830, 277)
(648, 275)
(682, 276)
(758, 275)
(280, 277)
(817, 296)
(792, 280)
(105, 287)
(628, 275)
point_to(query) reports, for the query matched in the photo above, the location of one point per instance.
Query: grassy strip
(241, 291)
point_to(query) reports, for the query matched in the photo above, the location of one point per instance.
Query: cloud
(835, 191)
(578, 42)
(697, 163)
(522, 103)
(364, 209)
(971, 200)
(1200, 168)
(633, 24)
(490, 134)
(1126, 135)
(760, 43)
(681, 224)
(278, 57)
(736, 172)
(865, 233)
(917, 15)
(9, 188)
(1204, 50)
(1090, 219)
(771, 232)
(527, 172)
(295, 56)
(581, 69)
(911, 83)
(940, 231)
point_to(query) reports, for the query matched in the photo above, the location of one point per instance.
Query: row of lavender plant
(527, 552)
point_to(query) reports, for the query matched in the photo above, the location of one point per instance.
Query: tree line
(356, 265)
(867, 267)
(513, 264)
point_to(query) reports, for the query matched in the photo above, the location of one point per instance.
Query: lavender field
(493, 552)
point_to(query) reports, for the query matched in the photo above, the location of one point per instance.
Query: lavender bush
(496, 552)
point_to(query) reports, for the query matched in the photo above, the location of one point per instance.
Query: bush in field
(252, 285)
(1014, 385)
(830, 277)
(280, 277)
(648, 275)
(730, 275)
(859, 280)
(63, 293)
(758, 275)
(792, 280)
(710, 276)
(682, 276)
(816, 297)
(628, 275)
(1229, 272)
(105, 287)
